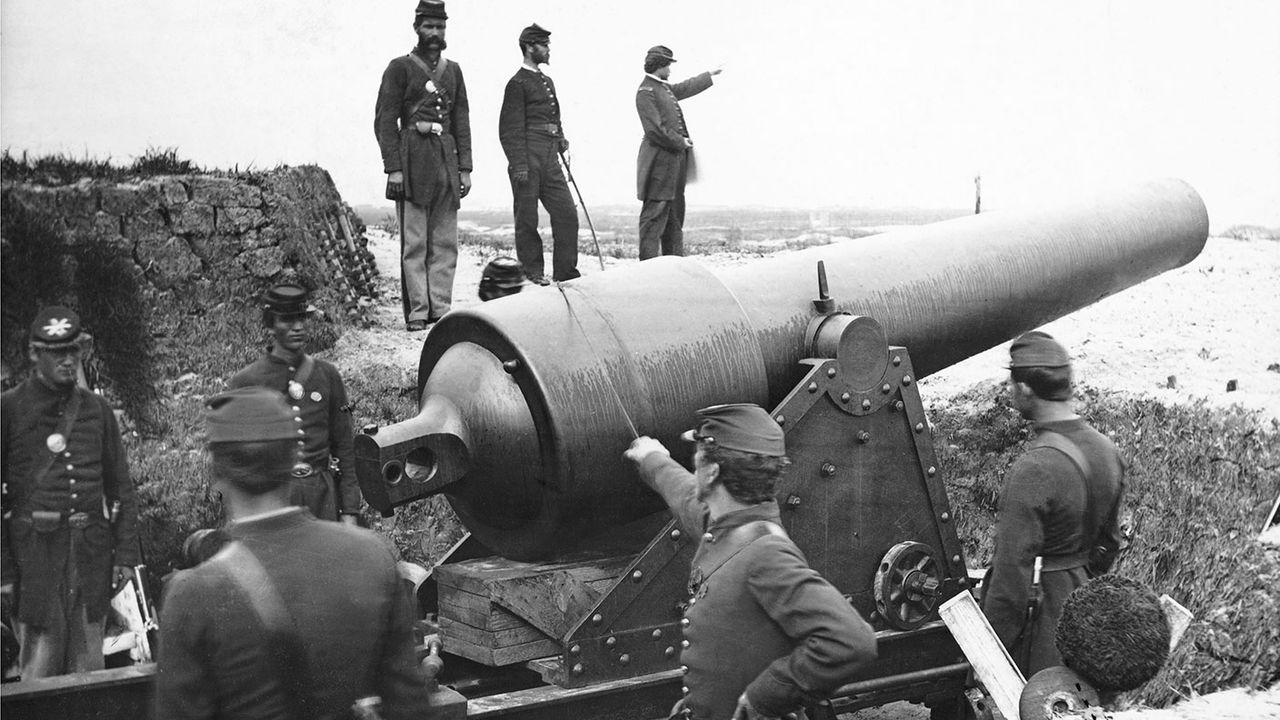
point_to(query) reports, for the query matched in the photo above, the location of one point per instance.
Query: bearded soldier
(71, 536)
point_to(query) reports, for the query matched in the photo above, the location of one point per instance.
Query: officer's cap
(535, 33)
(288, 299)
(1037, 349)
(250, 414)
(660, 52)
(503, 272)
(55, 327)
(745, 427)
(430, 9)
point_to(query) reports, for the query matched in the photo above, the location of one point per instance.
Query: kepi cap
(745, 427)
(430, 9)
(503, 272)
(661, 52)
(535, 33)
(249, 414)
(55, 327)
(288, 299)
(1037, 349)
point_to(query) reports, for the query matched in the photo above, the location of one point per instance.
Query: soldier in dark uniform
(71, 536)
(423, 126)
(1060, 505)
(764, 633)
(533, 138)
(293, 618)
(319, 401)
(665, 162)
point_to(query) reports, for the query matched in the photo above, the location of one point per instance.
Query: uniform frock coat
(1046, 511)
(660, 165)
(349, 631)
(759, 619)
(88, 475)
(325, 420)
(407, 95)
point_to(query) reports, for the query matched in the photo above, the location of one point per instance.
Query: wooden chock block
(500, 612)
(991, 662)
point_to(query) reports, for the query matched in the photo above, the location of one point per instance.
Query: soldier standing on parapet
(665, 162)
(319, 400)
(423, 125)
(71, 537)
(1058, 509)
(533, 140)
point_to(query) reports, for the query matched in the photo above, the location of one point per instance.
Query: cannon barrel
(528, 401)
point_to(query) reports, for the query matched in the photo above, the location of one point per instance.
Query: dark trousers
(546, 184)
(662, 228)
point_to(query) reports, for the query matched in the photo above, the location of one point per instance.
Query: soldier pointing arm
(764, 633)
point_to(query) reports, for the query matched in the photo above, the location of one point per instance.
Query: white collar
(531, 68)
(655, 77)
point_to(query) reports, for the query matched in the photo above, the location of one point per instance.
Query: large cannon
(527, 402)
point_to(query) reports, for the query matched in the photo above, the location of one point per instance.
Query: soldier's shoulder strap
(305, 368)
(237, 563)
(1064, 445)
(740, 538)
(245, 571)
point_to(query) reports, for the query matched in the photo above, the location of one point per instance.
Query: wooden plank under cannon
(499, 612)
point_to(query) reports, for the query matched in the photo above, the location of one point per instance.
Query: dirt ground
(1181, 337)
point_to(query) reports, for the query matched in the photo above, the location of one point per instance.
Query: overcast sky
(839, 103)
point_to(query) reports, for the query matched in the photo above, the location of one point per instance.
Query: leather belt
(49, 520)
(549, 128)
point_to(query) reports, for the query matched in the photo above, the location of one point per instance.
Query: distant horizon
(821, 104)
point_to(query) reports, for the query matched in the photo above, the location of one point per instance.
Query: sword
(569, 174)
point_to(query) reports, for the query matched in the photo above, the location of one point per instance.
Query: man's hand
(120, 575)
(395, 185)
(744, 711)
(464, 182)
(428, 128)
(349, 519)
(717, 70)
(688, 143)
(520, 176)
(642, 447)
(7, 592)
